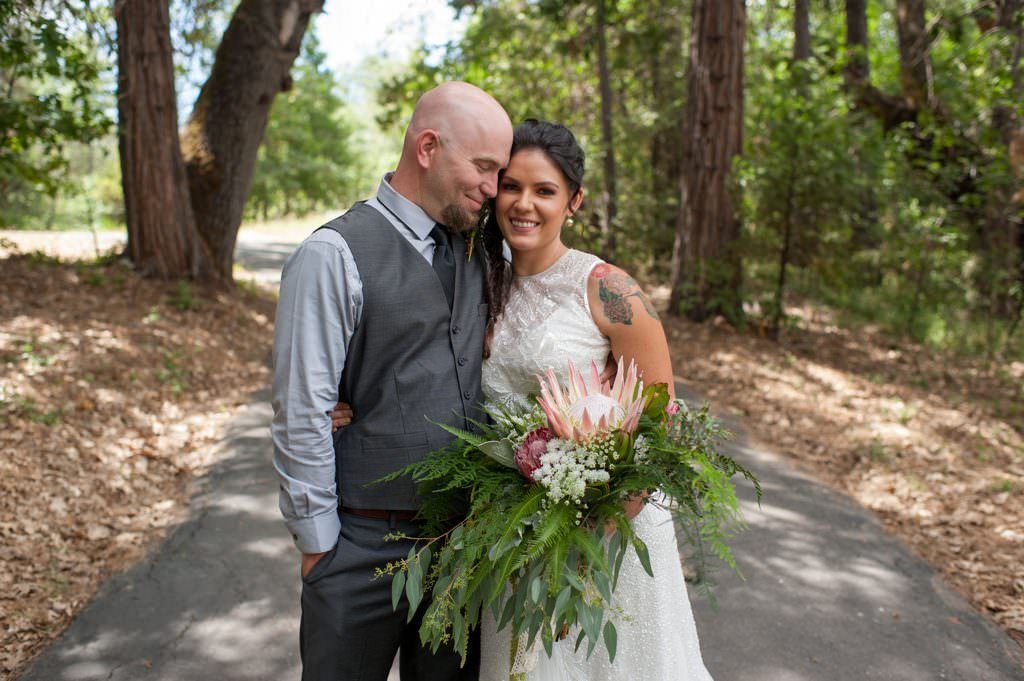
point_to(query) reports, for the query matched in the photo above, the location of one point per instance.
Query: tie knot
(439, 233)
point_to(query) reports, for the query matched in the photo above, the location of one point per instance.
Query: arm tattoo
(615, 288)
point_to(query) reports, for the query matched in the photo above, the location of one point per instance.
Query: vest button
(456, 329)
(468, 395)
(462, 361)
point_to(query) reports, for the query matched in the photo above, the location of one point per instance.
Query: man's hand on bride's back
(341, 416)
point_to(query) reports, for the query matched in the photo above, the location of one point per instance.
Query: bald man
(382, 308)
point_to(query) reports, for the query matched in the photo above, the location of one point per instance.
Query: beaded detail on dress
(546, 324)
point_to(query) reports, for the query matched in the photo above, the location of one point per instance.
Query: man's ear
(428, 141)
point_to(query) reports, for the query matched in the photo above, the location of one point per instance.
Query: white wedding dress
(545, 325)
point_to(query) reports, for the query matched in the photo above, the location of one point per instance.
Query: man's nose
(490, 186)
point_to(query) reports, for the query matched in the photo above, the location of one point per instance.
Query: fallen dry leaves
(934, 445)
(112, 389)
(110, 396)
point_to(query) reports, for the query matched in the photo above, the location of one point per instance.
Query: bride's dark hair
(560, 146)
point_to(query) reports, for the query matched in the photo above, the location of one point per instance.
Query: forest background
(866, 155)
(830, 192)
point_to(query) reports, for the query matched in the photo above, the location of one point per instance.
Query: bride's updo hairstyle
(560, 146)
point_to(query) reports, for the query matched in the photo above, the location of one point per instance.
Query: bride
(549, 306)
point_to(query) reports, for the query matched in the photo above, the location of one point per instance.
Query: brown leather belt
(380, 513)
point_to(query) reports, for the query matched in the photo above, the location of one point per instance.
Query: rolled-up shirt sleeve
(317, 312)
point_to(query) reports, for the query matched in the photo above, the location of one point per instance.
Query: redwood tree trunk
(222, 137)
(707, 274)
(607, 135)
(162, 237)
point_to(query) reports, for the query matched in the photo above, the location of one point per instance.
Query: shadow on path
(828, 594)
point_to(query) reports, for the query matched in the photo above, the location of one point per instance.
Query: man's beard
(458, 219)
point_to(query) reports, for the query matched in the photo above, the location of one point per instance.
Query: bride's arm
(624, 314)
(626, 317)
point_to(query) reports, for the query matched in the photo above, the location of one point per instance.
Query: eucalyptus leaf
(501, 451)
(643, 555)
(397, 587)
(610, 639)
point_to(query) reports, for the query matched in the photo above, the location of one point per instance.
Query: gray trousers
(349, 631)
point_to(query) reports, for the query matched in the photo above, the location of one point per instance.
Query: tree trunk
(607, 136)
(858, 66)
(1004, 227)
(221, 140)
(708, 273)
(892, 111)
(162, 237)
(801, 30)
(857, 73)
(915, 64)
(667, 140)
(794, 218)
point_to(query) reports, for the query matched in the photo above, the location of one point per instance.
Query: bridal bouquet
(542, 495)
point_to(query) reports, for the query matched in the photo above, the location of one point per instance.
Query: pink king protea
(592, 407)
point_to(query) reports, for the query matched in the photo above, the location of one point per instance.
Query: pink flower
(589, 407)
(673, 408)
(533, 447)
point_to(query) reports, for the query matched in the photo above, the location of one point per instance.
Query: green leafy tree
(50, 76)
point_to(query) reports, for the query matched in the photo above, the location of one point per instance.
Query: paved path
(260, 252)
(828, 594)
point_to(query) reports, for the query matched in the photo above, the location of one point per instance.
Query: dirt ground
(934, 445)
(112, 391)
(113, 388)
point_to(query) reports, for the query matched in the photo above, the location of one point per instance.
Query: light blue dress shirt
(320, 304)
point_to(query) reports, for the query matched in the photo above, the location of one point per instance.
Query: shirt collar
(414, 217)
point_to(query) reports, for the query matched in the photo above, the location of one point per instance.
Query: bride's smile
(532, 204)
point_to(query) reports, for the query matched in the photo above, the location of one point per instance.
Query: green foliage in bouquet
(540, 544)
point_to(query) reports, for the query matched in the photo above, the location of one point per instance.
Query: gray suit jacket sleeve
(317, 312)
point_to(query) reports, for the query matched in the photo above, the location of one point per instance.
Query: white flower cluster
(567, 467)
(517, 425)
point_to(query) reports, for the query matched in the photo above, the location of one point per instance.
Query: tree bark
(607, 136)
(162, 237)
(858, 66)
(801, 30)
(915, 64)
(707, 275)
(891, 111)
(221, 140)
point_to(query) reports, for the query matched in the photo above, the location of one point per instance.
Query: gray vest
(411, 361)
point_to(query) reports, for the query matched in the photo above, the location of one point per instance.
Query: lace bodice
(545, 324)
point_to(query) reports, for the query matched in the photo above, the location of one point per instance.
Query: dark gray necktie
(443, 262)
